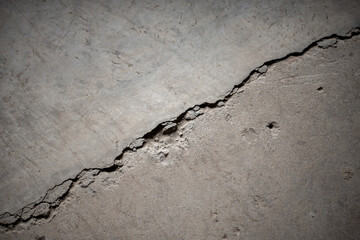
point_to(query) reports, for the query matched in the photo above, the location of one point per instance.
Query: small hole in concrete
(320, 89)
(273, 125)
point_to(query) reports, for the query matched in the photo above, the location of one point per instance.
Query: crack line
(47, 204)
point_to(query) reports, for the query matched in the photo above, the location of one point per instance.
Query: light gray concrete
(280, 160)
(80, 80)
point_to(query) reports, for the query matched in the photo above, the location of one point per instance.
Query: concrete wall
(180, 120)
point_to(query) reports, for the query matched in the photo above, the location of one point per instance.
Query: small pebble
(327, 43)
(190, 115)
(262, 69)
(42, 210)
(220, 104)
(200, 112)
(170, 128)
(137, 143)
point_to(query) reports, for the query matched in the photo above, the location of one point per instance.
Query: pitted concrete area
(80, 80)
(279, 159)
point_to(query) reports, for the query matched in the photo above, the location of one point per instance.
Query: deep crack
(46, 205)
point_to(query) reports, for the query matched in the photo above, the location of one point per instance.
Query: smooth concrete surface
(80, 80)
(279, 160)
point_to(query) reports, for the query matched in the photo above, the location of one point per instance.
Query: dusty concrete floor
(80, 80)
(278, 160)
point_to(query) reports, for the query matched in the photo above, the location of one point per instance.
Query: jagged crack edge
(117, 164)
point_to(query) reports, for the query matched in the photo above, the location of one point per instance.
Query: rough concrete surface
(81, 80)
(278, 159)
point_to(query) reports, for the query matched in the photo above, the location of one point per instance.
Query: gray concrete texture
(279, 160)
(83, 80)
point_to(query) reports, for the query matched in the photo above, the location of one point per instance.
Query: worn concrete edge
(8, 221)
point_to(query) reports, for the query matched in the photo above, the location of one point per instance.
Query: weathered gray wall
(80, 80)
(228, 174)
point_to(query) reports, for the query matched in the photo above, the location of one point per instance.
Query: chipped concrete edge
(45, 206)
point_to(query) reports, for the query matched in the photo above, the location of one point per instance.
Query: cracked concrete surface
(80, 81)
(43, 206)
(276, 160)
(37, 201)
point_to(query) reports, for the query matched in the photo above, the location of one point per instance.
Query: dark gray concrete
(279, 160)
(80, 80)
